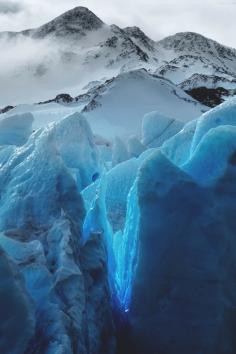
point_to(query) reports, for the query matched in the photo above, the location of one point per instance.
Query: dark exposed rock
(61, 98)
(91, 106)
(138, 34)
(209, 97)
(6, 109)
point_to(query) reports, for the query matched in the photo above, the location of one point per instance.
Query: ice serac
(225, 114)
(16, 309)
(177, 263)
(135, 147)
(16, 129)
(42, 215)
(178, 147)
(120, 153)
(157, 128)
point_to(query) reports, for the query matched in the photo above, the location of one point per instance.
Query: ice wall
(64, 299)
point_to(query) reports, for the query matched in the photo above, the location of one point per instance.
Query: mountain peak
(137, 34)
(186, 40)
(78, 20)
(195, 43)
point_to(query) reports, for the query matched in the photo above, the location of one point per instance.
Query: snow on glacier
(43, 114)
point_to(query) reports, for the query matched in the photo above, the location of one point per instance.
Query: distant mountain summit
(196, 43)
(193, 53)
(76, 21)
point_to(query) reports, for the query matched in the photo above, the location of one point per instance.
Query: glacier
(129, 250)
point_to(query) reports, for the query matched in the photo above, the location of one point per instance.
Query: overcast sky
(158, 18)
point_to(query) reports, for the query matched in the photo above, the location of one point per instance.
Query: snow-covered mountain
(208, 81)
(82, 48)
(191, 53)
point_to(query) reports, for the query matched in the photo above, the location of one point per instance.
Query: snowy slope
(117, 107)
(43, 114)
(122, 103)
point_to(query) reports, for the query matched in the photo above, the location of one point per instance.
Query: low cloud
(34, 70)
(10, 7)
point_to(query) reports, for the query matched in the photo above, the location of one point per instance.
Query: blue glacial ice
(157, 128)
(119, 152)
(55, 276)
(16, 129)
(151, 237)
(178, 147)
(177, 263)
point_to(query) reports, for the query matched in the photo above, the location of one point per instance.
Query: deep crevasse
(126, 251)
